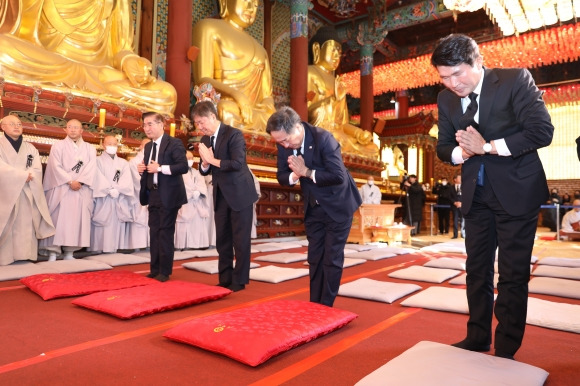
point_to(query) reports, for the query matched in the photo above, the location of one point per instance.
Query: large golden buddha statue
(82, 46)
(327, 96)
(235, 64)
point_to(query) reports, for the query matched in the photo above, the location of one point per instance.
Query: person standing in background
(458, 223)
(444, 203)
(492, 122)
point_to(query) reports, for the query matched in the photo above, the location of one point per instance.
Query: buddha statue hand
(363, 137)
(137, 70)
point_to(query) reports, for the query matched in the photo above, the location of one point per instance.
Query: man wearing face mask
(112, 194)
(69, 176)
(444, 201)
(369, 192)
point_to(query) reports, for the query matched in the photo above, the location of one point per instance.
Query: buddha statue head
(241, 13)
(325, 49)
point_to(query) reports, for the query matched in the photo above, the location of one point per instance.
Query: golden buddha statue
(327, 96)
(235, 64)
(81, 46)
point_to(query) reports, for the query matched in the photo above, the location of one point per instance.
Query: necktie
(467, 119)
(298, 152)
(211, 142)
(151, 176)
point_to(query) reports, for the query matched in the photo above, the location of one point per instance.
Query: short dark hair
(283, 119)
(203, 109)
(158, 116)
(454, 50)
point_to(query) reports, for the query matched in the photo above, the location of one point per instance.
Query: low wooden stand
(392, 234)
(368, 217)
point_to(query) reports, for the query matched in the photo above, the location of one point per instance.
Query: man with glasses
(69, 176)
(163, 190)
(312, 156)
(24, 217)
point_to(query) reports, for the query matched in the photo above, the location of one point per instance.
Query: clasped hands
(206, 155)
(470, 141)
(297, 165)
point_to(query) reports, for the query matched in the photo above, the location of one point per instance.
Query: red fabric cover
(61, 285)
(254, 334)
(149, 299)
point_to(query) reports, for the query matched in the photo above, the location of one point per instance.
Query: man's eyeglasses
(151, 124)
(12, 124)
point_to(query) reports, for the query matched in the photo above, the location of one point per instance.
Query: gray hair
(283, 119)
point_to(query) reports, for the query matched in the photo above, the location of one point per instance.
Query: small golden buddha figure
(81, 46)
(327, 96)
(235, 64)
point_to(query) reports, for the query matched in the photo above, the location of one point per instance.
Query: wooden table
(392, 234)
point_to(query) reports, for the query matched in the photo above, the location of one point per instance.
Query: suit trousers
(233, 235)
(326, 241)
(488, 226)
(161, 234)
(457, 222)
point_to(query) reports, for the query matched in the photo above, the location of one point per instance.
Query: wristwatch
(308, 173)
(487, 148)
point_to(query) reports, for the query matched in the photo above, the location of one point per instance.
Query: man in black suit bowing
(223, 154)
(492, 121)
(312, 156)
(163, 190)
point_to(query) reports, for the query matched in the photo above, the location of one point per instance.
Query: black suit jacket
(233, 178)
(510, 107)
(171, 187)
(335, 190)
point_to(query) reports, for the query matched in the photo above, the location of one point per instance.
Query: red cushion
(254, 334)
(60, 285)
(149, 299)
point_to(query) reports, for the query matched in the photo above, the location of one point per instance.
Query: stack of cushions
(254, 334)
(58, 285)
(380, 291)
(129, 303)
(430, 363)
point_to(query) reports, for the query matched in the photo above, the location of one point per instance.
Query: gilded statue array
(82, 46)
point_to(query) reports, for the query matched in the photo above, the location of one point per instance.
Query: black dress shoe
(237, 287)
(505, 355)
(223, 285)
(471, 346)
(162, 278)
(454, 237)
(152, 275)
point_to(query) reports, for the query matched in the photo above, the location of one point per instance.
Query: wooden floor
(56, 343)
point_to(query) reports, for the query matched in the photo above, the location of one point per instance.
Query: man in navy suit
(312, 156)
(163, 190)
(492, 122)
(223, 154)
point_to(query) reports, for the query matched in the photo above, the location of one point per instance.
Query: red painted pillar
(367, 100)
(178, 42)
(402, 104)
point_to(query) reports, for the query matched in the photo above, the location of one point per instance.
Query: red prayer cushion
(149, 299)
(60, 285)
(254, 334)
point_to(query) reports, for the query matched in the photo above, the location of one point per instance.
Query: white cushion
(447, 262)
(184, 255)
(360, 247)
(209, 266)
(560, 262)
(441, 299)
(270, 247)
(348, 262)
(373, 254)
(74, 266)
(419, 273)
(210, 252)
(561, 272)
(399, 250)
(553, 286)
(448, 247)
(558, 316)
(460, 280)
(19, 270)
(380, 291)
(436, 364)
(283, 257)
(117, 259)
(273, 274)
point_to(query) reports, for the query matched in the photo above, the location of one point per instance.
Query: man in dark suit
(492, 121)
(312, 156)
(458, 226)
(163, 190)
(223, 154)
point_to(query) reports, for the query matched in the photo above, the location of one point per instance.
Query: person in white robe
(191, 229)
(370, 193)
(137, 231)
(571, 220)
(69, 176)
(24, 216)
(113, 199)
(254, 232)
(211, 222)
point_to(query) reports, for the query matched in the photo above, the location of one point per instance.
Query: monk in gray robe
(24, 216)
(113, 198)
(69, 176)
